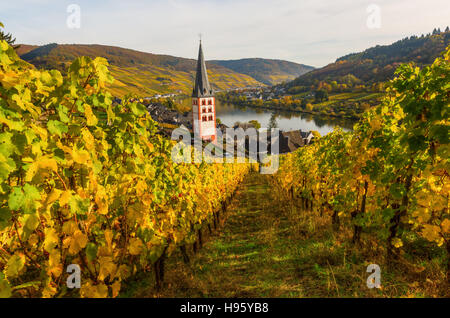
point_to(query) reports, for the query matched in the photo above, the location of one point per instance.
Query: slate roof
(304, 134)
(201, 86)
(292, 141)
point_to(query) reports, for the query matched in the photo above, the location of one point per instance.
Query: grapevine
(89, 182)
(390, 175)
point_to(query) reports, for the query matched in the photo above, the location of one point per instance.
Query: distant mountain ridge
(25, 48)
(377, 64)
(267, 71)
(143, 74)
(146, 74)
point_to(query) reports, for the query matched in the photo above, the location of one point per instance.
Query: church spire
(201, 87)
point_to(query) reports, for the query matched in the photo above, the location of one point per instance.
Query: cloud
(310, 32)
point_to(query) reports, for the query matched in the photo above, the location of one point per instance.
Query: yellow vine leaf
(88, 139)
(431, 232)
(49, 291)
(15, 265)
(115, 287)
(446, 226)
(90, 117)
(108, 237)
(78, 241)
(69, 227)
(135, 246)
(147, 199)
(51, 239)
(33, 240)
(54, 263)
(64, 148)
(101, 199)
(89, 290)
(65, 197)
(40, 163)
(141, 187)
(5, 288)
(107, 267)
(123, 272)
(80, 156)
(48, 163)
(53, 196)
(32, 222)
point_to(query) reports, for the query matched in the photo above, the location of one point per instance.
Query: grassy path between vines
(252, 255)
(268, 248)
(248, 257)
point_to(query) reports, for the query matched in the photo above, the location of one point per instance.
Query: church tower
(203, 103)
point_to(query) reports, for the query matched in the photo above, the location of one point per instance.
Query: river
(285, 120)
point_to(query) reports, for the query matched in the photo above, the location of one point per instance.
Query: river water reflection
(285, 120)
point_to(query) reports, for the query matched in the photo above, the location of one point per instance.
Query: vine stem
(61, 179)
(23, 247)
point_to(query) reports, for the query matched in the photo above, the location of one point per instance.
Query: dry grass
(329, 265)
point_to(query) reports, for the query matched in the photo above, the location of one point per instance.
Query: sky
(311, 32)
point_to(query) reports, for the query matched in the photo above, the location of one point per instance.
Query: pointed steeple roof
(201, 87)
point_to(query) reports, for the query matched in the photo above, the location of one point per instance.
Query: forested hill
(136, 72)
(267, 71)
(25, 48)
(376, 64)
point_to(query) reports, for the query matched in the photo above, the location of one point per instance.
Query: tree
(377, 87)
(321, 95)
(365, 106)
(334, 86)
(327, 87)
(303, 103)
(259, 103)
(8, 38)
(169, 103)
(316, 134)
(255, 124)
(273, 121)
(447, 29)
(237, 124)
